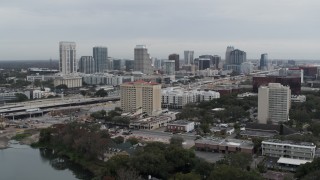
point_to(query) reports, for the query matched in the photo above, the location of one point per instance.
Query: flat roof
(291, 161)
(289, 142)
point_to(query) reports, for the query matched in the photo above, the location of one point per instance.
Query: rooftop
(141, 82)
(290, 142)
(291, 161)
(226, 142)
(180, 122)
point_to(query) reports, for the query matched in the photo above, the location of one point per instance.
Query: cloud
(35, 27)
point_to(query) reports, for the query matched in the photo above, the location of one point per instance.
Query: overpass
(42, 106)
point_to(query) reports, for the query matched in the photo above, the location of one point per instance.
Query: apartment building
(288, 149)
(141, 96)
(274, 103)
(177, 97)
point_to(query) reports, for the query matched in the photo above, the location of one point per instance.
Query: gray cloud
(282, 28)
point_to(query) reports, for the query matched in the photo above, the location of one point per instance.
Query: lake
(24, 162)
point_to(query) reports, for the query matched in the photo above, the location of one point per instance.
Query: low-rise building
(287, 155)
(224, 145)
(180, 126)
(105, 79)
(288, 149)
(154, 122)
(177, 97)
(70, 81)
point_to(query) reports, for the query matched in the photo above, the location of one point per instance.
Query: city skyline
(283, 29)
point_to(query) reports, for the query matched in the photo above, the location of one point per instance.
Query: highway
(52, 103)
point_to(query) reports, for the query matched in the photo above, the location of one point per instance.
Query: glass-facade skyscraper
(100, 56)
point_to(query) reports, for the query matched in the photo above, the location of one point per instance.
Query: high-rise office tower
(237, 57)
(228, 51)
(274, 103)
(264, 62)
(67, 63)
(86, 65)
(188, 57)
(176, 59)
(216, 61)
(100, 56)
(141, 96)
(142, 60)
(117, 64)
(129, 65)
(204, 63)
(169, 67)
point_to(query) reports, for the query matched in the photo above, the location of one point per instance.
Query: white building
(67, 63)
(180, 126)
(246, 68)
(177, 97)
(70, 81)
(274, 103)
(290, 154)
(105, 79)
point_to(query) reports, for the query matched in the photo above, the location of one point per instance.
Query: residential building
(274, 103)
(177, 97)
(176, 59)
(86, 65)
(180, 126)
(142, 60)
(288, 149)
(70, 81)
(141, 96)
(100, 56)
(224, 146)
(106, 79)
(188, 57)
(67, 63)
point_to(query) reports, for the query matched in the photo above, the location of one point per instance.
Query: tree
(62, 86)
(101, 93)
(239, 160)
(188, 176)
(21, 97)
(225, 172)
(128, 174)
(132, 140)
(176, 141)
(118, 140)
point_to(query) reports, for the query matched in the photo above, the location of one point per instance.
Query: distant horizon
(283, 29)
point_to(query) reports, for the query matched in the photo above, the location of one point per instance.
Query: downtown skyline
(286, 29)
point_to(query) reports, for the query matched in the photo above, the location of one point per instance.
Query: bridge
(39, 107)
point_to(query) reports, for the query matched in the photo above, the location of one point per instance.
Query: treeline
(79, 141)
(113, 116)
(86, 144)
(234, 109)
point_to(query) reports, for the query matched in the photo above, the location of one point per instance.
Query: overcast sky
(285, 29)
